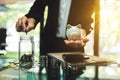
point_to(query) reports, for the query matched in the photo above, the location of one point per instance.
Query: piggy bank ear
(68, 26)
(79, 25)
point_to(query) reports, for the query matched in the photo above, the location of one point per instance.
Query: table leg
(53, 69)
(65, 71)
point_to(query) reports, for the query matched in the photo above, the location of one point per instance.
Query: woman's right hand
(25, 24)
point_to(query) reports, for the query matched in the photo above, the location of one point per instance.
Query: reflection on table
(105, 71)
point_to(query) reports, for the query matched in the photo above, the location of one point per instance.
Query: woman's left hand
(76, 43)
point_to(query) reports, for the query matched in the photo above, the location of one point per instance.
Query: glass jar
(26, 51)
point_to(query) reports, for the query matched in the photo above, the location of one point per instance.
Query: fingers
(74, 43)
(79, 43)
(25, 24)
(18, 25)
(31, 24)
(85, 40)
(21, 24)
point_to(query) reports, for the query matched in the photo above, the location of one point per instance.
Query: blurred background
(109, 33)
(109, 37)
(10, 11)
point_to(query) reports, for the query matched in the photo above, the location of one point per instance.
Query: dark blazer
(80, 13)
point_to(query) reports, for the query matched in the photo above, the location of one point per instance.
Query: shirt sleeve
(37, 10)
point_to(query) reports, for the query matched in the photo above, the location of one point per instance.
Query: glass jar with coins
(26, 51)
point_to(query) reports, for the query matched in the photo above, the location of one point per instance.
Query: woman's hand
(77, 43)
(25, 24)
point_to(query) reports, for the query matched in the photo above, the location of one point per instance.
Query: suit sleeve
(37, 10)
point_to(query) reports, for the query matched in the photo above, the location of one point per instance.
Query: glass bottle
(26, 51)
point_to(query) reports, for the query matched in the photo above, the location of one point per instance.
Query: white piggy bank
(73, 32)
